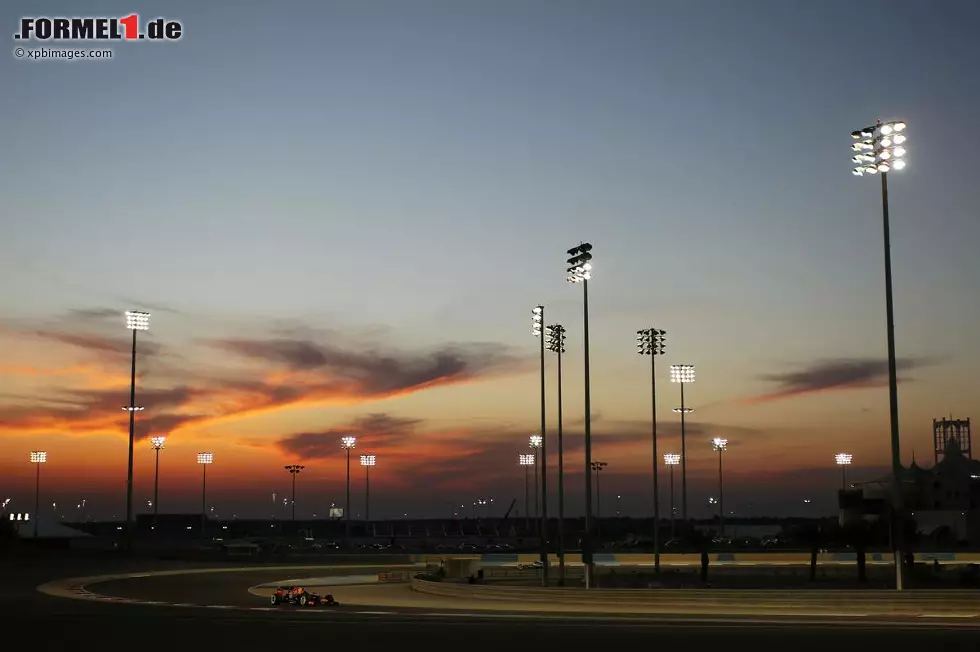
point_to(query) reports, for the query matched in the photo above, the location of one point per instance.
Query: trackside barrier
(396, 576)
(688, 600)
(742, 558)
(492, 573)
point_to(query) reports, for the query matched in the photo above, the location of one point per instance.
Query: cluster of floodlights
(537, 319)
(682, 373)
(369, 460)
(526, 459)
(556, 338)
(879, 148)
(579, 263)
(651, 341)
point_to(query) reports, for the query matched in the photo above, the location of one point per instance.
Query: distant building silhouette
(946, 495)
(945, 432)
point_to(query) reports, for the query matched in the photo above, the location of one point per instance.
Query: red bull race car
(300, 596)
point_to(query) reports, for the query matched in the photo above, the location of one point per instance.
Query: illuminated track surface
(249, 624)
(239, 590)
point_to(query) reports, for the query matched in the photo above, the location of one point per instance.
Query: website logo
(127, 28)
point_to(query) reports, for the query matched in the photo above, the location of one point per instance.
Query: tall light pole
(367, 461)
(556, 344)
(527, 461)
(534, 443)
(580, 271)
(721, 445)
(37, 459)
(843, 461)
(672, 460)
(294, 470)
(596, 467)
(653, 342)
(347, 443)
(156, 445)
(204, 459)
(880, 149)
(683, 374)
(136, 320)
(537, 323)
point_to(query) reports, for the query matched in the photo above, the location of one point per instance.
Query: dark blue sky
(423, 165)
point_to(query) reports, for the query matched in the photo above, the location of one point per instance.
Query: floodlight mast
(204, 459)
(880, 149)
(347, 443)
(294, 470)
(537, 319)
(672, 460)
(367, 461)
(843, 461)
(579, 270)
(37, 459)
(534, 443)
(527, 461)
(136, 320)
(157, 444)
(683, 374)
(556, 344)
(596, 467)
(721, 445)
(653, 342)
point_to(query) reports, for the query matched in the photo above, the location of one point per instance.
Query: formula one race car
(300, 596)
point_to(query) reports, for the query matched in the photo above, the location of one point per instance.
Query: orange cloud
(289, 372)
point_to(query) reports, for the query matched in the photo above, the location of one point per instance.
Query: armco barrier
(396, 576)
(730, 558)
(720, 600)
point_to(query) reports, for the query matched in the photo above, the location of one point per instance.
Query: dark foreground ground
(59, 624)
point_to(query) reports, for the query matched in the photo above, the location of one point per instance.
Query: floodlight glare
(157, 443)
(535, 441)
(843, 459)
(672, 459)
(134, 408)
(39, 457)
(137, 320)
(205, 458)
(368, 460)
(579, 263)
(526, 459)
(719, 444)
(877, 148)
(537, 319)
(682, 373)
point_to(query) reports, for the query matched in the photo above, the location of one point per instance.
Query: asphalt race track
(238, 620)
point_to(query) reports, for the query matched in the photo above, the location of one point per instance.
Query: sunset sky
(340, 215)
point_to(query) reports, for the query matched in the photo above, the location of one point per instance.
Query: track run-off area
(390, 592)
